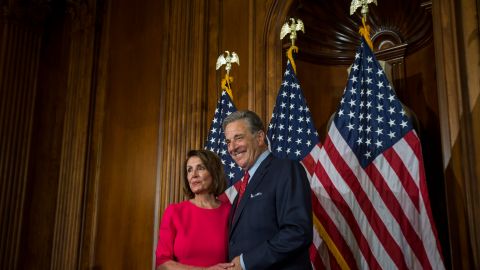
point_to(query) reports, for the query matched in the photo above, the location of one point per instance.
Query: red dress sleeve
(166, 238)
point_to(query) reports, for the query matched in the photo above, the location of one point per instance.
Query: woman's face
(199, 178)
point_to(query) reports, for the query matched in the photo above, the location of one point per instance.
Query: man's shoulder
(282, 161)
(281, 164)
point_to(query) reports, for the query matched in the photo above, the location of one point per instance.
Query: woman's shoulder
(176, 208)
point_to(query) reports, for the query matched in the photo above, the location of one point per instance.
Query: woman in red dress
(194, 233)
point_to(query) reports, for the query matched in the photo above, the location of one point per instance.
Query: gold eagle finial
(361, 3)
(292, 28)
(227, 59)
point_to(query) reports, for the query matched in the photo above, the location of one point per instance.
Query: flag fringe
(226, 85)
(365, 32)
(330, 244)
(290, 51)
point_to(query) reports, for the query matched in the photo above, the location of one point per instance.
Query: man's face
(243, 146)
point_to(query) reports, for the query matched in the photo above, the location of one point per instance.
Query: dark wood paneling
(129, 146)
(456, 54)
(420, 95)
(45, 154)
(19, 61)
(323, 87)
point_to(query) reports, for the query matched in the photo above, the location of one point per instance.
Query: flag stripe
(315, 257)
(429, 233)
(328, 241)
(337, 242)
(363, 207)
(311, 160)
(396, 210)
(402, 174)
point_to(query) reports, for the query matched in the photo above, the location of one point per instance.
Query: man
(271, 224)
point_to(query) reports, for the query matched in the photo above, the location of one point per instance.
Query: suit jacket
(272, 225)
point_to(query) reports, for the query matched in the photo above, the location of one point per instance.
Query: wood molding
(332, 34)
(29, 14)
(70, 198)
(20, 53)
(457, 128)
(275, 53)
(127, 160)
(184, 79)
(90, 209)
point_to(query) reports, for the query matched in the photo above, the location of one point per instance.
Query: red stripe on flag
(397, 212)
(346, 212)
(414, 142)
(404, 176)
(315, 258)
(309, 161)
(375, 221)
(334, 264)
(334, 234)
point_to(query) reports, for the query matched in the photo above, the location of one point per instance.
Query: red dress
(192, 235)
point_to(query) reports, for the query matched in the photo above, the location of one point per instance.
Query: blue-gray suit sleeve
(293, 215)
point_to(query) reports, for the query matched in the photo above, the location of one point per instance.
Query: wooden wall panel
(19, 56)
(456, 45)
(129, 148)
(71, 181)
(235, 36)
(323, 87)
(270, 54)
(185, 94)
(420, 95)
(45, 155)
(91, 207)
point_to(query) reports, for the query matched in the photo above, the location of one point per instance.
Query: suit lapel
(252, 185)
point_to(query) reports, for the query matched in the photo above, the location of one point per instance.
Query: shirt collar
(257, 163)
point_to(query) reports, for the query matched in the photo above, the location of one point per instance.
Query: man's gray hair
(254, 122)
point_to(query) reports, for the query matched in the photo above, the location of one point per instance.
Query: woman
(194, 233)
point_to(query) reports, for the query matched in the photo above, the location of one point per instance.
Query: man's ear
(261, 137)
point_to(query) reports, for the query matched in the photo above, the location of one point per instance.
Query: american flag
(292, 135)
(370, 179)
(216, 143)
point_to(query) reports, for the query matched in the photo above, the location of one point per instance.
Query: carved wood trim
(20, 52)
(457, 131)
(332, 34)
(70, 197)
(95, 138)
(395, 56)
(184, 118)
(276, 16)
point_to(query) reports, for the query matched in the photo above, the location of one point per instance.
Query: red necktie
(243, 186)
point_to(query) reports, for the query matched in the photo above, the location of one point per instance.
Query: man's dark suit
(272, 225)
